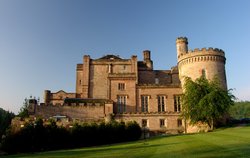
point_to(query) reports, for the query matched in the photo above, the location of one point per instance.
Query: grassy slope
(230, 142)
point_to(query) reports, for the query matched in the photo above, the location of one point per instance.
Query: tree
(240, 110)
(205, 101)
(5, 120)
(23, 113)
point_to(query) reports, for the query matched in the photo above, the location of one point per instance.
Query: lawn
(229, 142)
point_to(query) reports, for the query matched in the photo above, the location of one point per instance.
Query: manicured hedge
(34, 137)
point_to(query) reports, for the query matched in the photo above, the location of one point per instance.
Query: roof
(86, 100)
(110, 56)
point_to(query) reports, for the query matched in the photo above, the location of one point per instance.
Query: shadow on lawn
(138, 146)
(229, 151)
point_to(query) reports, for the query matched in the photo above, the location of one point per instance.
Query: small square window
(162, 123)
(179, 122)
(144, 123)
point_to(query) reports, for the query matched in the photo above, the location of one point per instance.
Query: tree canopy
(24, 109)
(205, 101)
(240, 110)
(5, 120)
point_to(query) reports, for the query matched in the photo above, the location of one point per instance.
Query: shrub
(36, 137)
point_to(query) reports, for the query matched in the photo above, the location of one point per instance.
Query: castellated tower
(147, 59)
(195, 63)
(181, 46)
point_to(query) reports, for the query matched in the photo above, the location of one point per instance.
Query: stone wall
(98, 85)
(100, 69)
(212, 65)
(129, 92)
(94, 112)
(155, 77)
(209, 62)
(153, 121)
(57, 98)
(79, 79)
(153, 91)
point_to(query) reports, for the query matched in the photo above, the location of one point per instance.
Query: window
(110, 68)
(144, 123)
(203, 73)
(162, 122)
(161, 103)
(179, 122)
(144, 103)
(156, 80)
(121, 103)
(121, 86)
(177, 103)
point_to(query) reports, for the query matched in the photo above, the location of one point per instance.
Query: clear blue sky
(42, 41)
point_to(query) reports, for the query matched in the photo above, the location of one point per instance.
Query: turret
(207, 62)
(147, 59)
(32, 106)
(85, 79)
(181, 46)
(47, 97)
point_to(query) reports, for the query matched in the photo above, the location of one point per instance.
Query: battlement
(208, 62)
(182, 39)
(203, 50)
(206, 53)
(79, 67)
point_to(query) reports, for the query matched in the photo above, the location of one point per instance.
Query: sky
(41, 41)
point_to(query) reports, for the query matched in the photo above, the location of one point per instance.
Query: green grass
(229, 142)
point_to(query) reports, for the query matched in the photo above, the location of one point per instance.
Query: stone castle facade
(129, 89)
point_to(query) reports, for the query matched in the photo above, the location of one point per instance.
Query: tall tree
(5, 120)
(23, 113)
(205, 101)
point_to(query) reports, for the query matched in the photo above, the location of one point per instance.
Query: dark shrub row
(5, 121)
(35, 137)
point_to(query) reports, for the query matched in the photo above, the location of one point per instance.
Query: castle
(128, 89)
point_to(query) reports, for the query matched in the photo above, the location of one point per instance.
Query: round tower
(47, 96)
(207, 62)
(181, 46)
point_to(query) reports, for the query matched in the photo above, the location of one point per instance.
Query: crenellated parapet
(202, 55)
(183, 39)
(210, 49)
(209, 62)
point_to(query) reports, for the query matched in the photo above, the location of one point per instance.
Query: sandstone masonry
(128, 89)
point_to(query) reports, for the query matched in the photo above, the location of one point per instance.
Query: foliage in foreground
(38, 137)
(240, 110)
(205, 101)
(226, 142)
(5, 121)
(24, 113)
